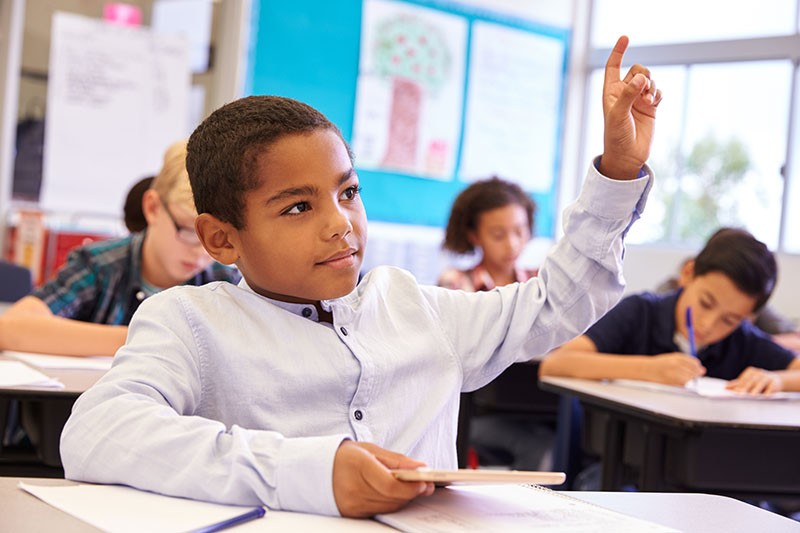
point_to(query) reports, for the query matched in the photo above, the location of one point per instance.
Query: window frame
(784, 47)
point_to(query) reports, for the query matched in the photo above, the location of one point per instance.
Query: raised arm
(579, 358)
(30, 326)
(629, 108)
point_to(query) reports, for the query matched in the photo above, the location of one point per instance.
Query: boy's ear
(218, 238)
(686, 274)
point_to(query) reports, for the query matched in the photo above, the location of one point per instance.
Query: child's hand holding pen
(674, 368)
(692, 342)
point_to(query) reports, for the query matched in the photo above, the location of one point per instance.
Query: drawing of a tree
(413, 55)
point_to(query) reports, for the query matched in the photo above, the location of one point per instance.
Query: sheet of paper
(15, 373)
(123, 509)
(61, 361)
(706, 387)
(509, 508)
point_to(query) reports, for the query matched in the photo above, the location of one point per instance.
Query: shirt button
(307, 312)
(344, 332)
(358, 414)
(140, 295)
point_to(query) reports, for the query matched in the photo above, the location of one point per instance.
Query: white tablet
(473, 477)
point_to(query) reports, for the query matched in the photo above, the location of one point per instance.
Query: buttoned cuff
(608, 198)
(305, 474)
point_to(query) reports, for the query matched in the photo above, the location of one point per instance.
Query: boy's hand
(674, 368)
(756, 381)
(629, 108)
(363, 485)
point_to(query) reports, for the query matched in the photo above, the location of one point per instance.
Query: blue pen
(690, 334)
(690, 331)
(258, 512)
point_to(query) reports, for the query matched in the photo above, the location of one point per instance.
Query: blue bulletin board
(311, 50)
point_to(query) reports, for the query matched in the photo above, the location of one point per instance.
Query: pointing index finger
(615, 60)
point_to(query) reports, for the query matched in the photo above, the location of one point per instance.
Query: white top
(221, 394)
(752, 413)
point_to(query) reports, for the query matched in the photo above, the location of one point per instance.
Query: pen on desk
(258, 512)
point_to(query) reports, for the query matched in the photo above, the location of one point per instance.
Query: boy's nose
(339, 225)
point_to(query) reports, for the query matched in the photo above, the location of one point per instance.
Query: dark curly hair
(745, 260)
(475, 200)
(223, 152)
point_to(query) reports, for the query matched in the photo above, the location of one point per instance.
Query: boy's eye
(351, 192)
(296, 209)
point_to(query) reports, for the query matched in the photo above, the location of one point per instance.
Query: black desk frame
(676, 455)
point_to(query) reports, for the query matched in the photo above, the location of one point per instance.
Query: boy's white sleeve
(579, 281)
(137, 427)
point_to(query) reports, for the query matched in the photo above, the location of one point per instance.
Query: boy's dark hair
(223, 152)
(745, 260)
(475, 200)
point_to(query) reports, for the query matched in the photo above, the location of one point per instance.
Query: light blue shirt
(221, 394)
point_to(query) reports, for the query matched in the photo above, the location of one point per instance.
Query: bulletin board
(497, 109)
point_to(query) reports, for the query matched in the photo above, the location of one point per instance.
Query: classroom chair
(15, 281)
(515, 391)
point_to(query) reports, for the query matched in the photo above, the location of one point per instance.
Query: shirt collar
(308, 311)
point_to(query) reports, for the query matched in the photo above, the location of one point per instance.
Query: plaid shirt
(102, 283)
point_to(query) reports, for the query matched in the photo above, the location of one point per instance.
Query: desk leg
(650, 475)
(567, 455)
(612, 454)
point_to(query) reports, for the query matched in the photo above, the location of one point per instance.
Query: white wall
(646, 267)
(418, 249)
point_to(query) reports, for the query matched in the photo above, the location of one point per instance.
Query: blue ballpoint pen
(258, 512)
(690, 335)
(690, 331)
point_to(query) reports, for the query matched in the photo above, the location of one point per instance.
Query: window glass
(718, 150)
(689, 20)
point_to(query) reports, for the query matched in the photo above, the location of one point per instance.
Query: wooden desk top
(24, 513)
(682, 409)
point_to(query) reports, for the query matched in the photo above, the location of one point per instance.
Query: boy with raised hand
(300, 389)
(85, 309)
(646, 336)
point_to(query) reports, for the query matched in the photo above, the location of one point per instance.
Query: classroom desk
(23, 513)
(43, 412)
(675, 442)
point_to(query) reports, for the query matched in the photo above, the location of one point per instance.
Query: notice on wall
(513, 106)
(117, 98)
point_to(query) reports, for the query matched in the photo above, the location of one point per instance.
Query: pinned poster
(410, 89)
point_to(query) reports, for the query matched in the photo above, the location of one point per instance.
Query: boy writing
(646, 336)
(86, 308)
(291, 389)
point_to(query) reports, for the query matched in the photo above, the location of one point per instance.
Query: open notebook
(509, 508)
(706, 387)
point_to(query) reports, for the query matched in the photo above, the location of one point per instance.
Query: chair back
(15, 281)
